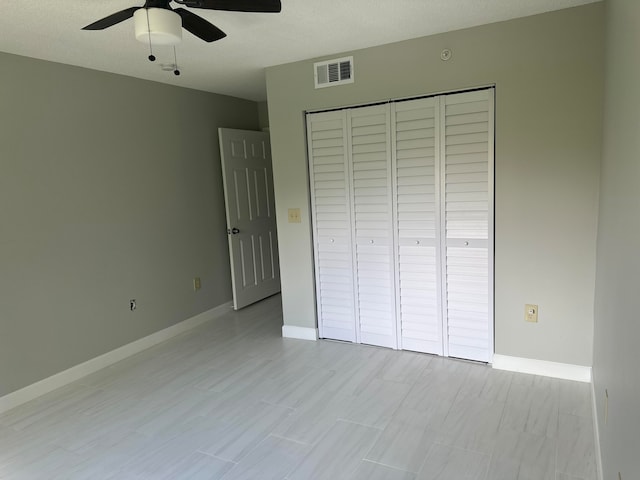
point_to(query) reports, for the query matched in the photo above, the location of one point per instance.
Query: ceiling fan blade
(112, 19)
(258, 6)
(199, 26)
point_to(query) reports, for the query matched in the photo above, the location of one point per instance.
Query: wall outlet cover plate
(531, 312)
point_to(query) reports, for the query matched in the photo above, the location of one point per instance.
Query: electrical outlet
(294, 215)
(531, 312)
(196, 284)
(132, 304)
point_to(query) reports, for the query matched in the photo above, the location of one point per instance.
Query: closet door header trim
(401, 99)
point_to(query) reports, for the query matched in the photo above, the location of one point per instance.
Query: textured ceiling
(51, 30)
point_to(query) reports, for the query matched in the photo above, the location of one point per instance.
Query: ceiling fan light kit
(167, 23)
(158, 26)
(156, 23)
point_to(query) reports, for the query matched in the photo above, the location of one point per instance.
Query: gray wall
(263, 115)
(110, 189)
(548, 75)
(617, 325)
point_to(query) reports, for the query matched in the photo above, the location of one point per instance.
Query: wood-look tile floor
(233, 400)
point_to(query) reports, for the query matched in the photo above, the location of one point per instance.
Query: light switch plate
(196, 284)
(531, 312)
(294, 215)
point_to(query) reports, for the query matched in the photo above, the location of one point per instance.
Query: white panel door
(416, 194)
(370, 152)
(331, 214)
(467, 223)
(251, 219)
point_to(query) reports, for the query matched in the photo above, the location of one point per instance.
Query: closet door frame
(492, 215)
(492, 219)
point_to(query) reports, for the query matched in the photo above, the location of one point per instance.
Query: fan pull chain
(175, 62)
(152, 57)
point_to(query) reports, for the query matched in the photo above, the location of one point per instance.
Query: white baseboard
(72, 374)
(565, 371)
(596, 431)
(302, 333)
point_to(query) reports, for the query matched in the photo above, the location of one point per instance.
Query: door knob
(232, 231)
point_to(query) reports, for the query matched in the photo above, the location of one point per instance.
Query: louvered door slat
(414, 131)
(368, 133)
(331, 212)
(467, 141)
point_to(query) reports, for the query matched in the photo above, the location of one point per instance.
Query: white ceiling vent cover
(333, 72)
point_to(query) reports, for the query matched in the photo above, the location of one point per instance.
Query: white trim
(565, 371)
(81, 370)
(491, 93)
(301, 333)
(596, 430)
(402, 99)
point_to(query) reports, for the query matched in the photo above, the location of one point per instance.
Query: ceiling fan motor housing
(158, 25)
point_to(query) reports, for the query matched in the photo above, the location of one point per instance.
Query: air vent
(333, 72)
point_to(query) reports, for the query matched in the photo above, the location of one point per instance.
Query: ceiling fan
(158, 23)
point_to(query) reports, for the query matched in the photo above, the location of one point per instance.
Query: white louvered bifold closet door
(467, 143)
(368, 135)
(331, 210)
(416, 168)
(402, 206)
